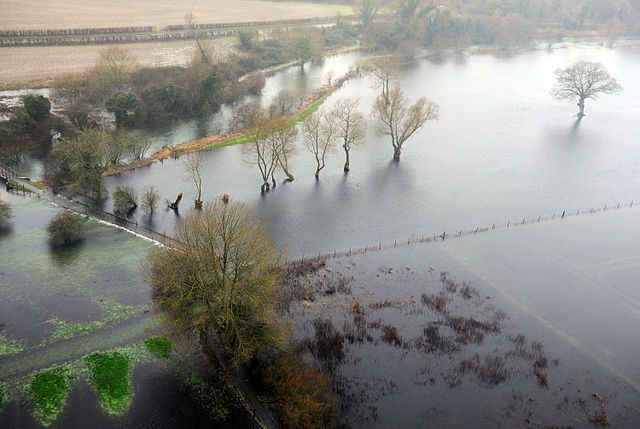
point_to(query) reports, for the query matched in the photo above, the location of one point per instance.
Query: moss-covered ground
(49, 391)
(109, 374)
(159, 347)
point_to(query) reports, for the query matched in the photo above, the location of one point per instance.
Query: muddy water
(503, 150)
(567, 289)
(59, 305)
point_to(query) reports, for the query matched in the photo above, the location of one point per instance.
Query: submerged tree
(220, 280)
(320, 132)
(351, 126)
(584, 80)
(150, 199)
(65, 228)
(6, 212)
(193, 166)
(124, 199)
(383, 70)
(399, 120)
(282, 137)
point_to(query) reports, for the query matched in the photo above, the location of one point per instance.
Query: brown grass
(53, 14)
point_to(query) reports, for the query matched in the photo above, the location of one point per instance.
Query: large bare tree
(583, 80)
(282, 137)
(260, 150)
(220, 278)
(351, 126)
(193, 166)
(399, 120)
(320, 132)
(383, 70)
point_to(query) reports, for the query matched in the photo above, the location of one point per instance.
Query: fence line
(447, 235)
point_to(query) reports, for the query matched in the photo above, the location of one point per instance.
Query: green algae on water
(159, 347)
(109, 373)
(49, 391)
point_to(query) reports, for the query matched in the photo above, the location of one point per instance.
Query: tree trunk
(396, 154)
(581, 105)
(198, 204)
(346, 164)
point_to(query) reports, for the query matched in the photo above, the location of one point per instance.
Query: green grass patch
(9, 346)
(159, 347)
(49, 391)
(109, 373)
(37, 185)
(308, 111)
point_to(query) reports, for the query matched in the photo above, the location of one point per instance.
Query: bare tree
(115, 65)
(220, 279)
(583, 80)
(383, 70)
(193, 165)
(283, 103)
(351, 126)
(320, 132)
(150, 199)
(367, 12)
(399, 121)
(282, 137)
(260, 150)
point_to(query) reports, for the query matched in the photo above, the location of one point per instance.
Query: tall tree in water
(583, 80)
(320, 132)
(351, 126)
(400, 121)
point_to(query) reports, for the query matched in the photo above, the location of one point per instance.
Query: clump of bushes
(159, 347)
(125, 199)
(298, 392)
(65, 228)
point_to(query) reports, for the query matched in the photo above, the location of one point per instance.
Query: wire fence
(447, 235)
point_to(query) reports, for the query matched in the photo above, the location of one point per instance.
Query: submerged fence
(446, 235)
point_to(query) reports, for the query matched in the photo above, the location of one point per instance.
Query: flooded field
(535, 326)
(59, 307)
(520, 155)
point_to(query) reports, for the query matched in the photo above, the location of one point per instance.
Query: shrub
(65, 228)
(125, 199)
(299, 392)
(6, 212)
(37, 106)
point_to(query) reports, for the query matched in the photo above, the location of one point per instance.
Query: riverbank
(309, 105)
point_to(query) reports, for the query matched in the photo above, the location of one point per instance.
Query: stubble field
(55, 14)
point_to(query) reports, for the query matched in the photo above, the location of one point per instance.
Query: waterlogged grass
(109, 374)
(65, 329)
(215, 396)
(49, 391)
(9, 346)
(159, 347)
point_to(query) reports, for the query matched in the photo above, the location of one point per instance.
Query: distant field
(45, 62)
(55, 14)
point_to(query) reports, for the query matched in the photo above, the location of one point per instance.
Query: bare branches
(583, 80)
(399, 121)
(193, 166)
(351, 126)
(320, 132)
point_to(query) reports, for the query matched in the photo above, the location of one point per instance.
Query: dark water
(502, 151)
(571, 285)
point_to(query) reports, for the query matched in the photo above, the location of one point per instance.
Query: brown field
(36, 63)
(55, 14)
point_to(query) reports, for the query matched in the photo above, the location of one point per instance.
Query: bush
(125, 199)
(150, 199)
(37, 106)
(299, 392)
(65, 228)
(6, 212)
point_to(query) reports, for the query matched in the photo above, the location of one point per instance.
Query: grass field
(54, 14)
(45, 62)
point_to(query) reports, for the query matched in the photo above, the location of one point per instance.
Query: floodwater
(567, 288)
(59, 305)
(502, 151)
